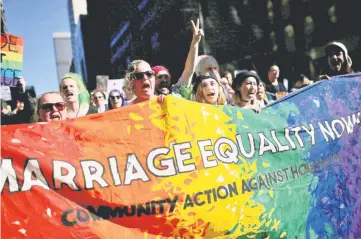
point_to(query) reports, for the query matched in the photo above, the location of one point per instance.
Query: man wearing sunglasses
(51, 107)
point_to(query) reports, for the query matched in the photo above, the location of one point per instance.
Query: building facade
(3, 20)
(63, 53)
(239, 34)
(75, 9)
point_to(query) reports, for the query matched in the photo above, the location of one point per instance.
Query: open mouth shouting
(69, 95)
(336, 64)
(211, 97)
(55, 117)
(146, 86)
(252, 93)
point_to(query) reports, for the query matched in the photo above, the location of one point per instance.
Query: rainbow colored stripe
(12, 58)
(293, 185)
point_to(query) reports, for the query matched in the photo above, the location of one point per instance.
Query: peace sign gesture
(197, 32)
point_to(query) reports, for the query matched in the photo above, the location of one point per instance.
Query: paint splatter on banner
(11, 59)
(189, 170)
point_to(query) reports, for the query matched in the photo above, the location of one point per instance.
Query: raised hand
(197, 32)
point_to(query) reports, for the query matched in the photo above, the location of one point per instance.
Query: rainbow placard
(11, 59)
(188, 170)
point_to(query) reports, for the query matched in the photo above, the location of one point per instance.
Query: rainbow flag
(189, 170)
(11, 59)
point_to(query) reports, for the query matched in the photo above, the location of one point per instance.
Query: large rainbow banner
(11, 59)
(189, 170)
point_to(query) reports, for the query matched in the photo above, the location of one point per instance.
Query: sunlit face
(70, 90)
(335, 60)
(210, 90)
(98, 99)
(161, 77)
(273, 73)
(144, 82)
(52, 108)
(260, 91)
(248, 89)
(115, 100)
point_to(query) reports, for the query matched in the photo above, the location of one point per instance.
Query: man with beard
(162, 80)
(338, 60)
(163, 88)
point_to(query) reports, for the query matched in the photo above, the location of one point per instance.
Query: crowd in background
(201, 81)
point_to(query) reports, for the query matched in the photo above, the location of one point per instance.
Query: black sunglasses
(140, 75)
(165, 76)
(112, 97)
(48, 107)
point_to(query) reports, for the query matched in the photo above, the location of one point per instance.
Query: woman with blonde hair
(208, 90)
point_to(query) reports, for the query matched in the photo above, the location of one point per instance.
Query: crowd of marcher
(201, 81)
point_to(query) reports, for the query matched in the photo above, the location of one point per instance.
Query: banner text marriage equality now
(160, 164)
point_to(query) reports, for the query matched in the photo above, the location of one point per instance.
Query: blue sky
(36, 20)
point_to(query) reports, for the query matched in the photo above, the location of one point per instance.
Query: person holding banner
(76, 96)
(51, 107)
(338, 60)
(245, 86)
(208, 90)
(116, 100)
(140, 78)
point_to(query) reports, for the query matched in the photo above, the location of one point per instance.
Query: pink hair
(157, 69)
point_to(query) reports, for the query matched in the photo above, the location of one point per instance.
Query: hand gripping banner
(187, 170)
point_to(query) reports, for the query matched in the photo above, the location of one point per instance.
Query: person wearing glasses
(51, 107)
(140, 78)
(116, 100)
(76, 96)
(99, 101)
(338, 60)
(162, 80)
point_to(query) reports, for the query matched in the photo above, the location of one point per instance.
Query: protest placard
(5, 93)
(102, 82)
(115, 84)
(190, 170)
(11, 59)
